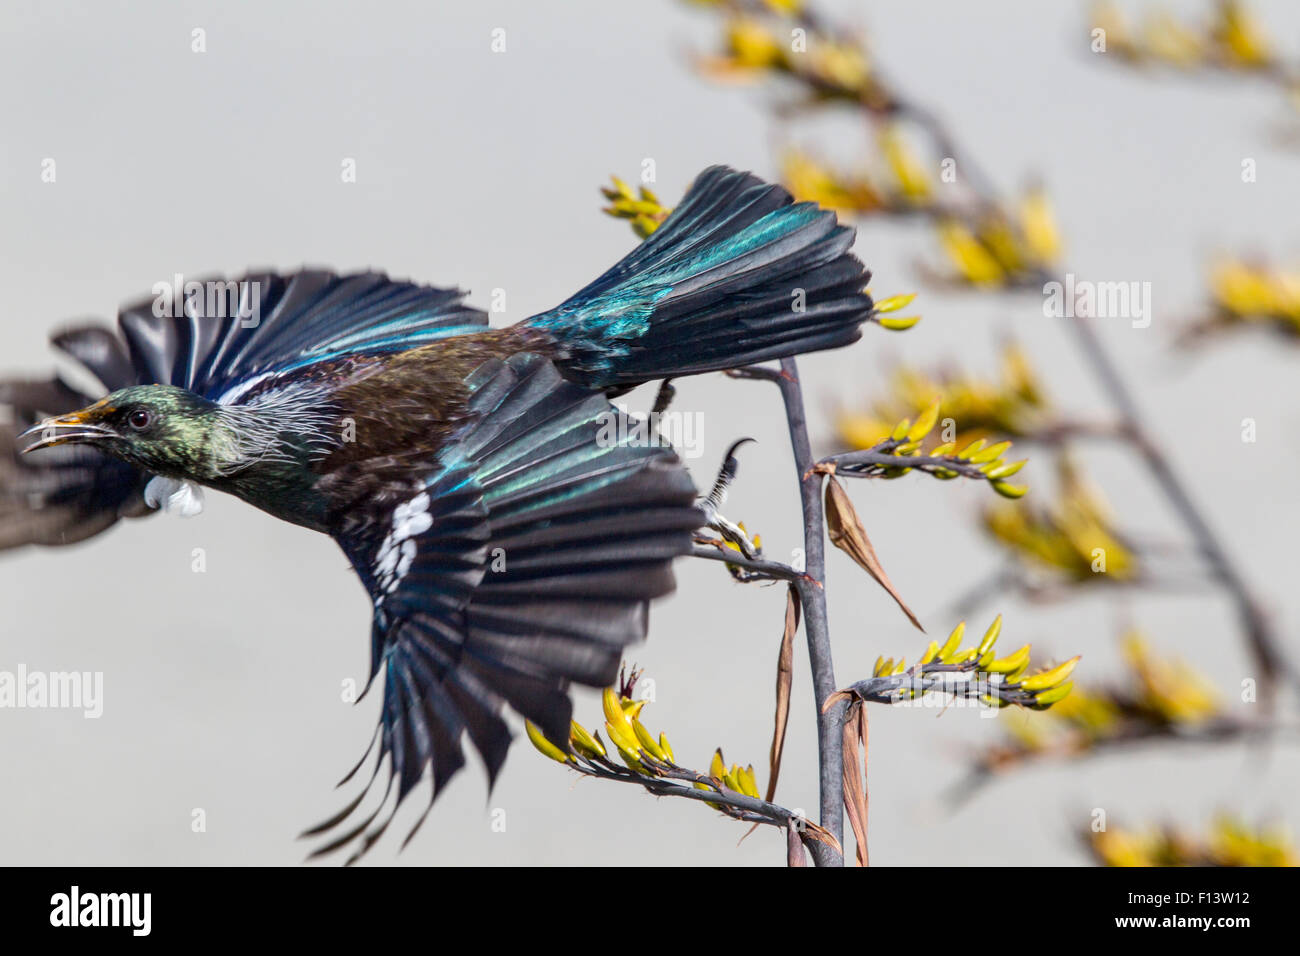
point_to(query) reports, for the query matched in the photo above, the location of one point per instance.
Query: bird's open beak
(74, 427)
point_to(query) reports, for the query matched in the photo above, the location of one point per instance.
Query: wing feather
(522, 564)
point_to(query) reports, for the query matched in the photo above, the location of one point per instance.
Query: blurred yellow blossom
(811, 181)
(1159, 695)
(910, 175)
(1230, 842)
(1014, 405)
(1075, 534)
(756, 43)
(1167, 39)
(1233, 38)
(1241, 39)
(1169, 689)
(1244, 292)
(999, 247)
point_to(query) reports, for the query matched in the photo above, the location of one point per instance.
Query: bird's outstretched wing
(230, 333)
(523, 562)
(227, 337)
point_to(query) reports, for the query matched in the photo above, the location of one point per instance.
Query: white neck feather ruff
(181, 498)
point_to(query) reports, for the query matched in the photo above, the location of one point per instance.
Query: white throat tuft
(181, 498)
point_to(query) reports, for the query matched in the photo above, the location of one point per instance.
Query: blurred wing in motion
(72, 492)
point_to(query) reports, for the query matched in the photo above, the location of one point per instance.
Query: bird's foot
(717, 497)
(736, 535)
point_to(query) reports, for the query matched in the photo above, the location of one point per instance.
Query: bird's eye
(139, 419)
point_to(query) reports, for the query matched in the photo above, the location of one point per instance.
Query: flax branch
(1004, 758)
(1263, 641)
(884, 104)
(1264, 644)
(812, 595)
(671, 780)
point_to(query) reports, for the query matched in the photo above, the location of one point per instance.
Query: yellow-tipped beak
(79, 426)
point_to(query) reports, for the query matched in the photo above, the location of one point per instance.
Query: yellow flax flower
(1013, 405)
(1168, 688)
(1074, 535)
(910, 176)
(811, 181)
(1241, 39)
(1041, 237)
(1003, 246)
(974, 262)
(1230, 842)
(1250, 292)
(1170, 41)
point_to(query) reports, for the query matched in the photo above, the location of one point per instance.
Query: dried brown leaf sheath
(784, 681)
(847, 534)
(855, 783)
(794, 855)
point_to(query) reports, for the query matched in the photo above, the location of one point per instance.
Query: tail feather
(739, 273)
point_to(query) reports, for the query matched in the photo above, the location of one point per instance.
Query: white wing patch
(181, 498)
(396, 554)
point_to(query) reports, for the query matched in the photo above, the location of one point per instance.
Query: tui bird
(509, 547)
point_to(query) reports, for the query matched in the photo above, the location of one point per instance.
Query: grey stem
(812, 595)
(1268, 653)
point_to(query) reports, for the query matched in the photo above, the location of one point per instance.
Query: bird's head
(160, 428)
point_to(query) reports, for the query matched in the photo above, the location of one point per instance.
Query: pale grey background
(223, 688)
